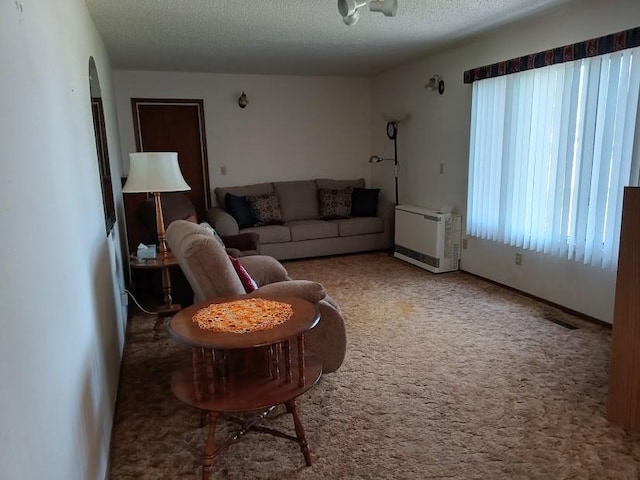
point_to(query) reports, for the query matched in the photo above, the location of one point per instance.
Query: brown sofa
(303, 233)
(177, 206)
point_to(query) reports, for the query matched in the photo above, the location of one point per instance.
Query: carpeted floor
(446, 376)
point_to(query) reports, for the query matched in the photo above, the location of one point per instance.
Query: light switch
(223, 169)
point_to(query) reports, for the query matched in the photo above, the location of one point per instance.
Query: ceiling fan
(350, 9)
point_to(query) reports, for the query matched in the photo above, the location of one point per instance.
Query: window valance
(568, 53)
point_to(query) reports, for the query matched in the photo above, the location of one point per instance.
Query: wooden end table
(163, 263)
(234, 373)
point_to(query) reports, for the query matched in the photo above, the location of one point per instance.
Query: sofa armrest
(245, 242)
(222, 222)
(386, 211)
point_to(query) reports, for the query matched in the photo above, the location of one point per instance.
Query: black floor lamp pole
(395, 164)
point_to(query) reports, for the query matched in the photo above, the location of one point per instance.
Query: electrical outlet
(441, 168)
(518, 259)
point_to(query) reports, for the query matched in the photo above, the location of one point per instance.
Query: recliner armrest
(264, 269)
(307, 290)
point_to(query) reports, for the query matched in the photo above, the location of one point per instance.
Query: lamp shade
(154, 172)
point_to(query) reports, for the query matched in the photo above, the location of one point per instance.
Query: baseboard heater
(427, 238)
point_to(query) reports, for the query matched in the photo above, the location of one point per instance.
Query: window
(551, 150)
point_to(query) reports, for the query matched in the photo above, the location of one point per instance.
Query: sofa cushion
(242, 191)
(271, 233)
(359, 226)
(335, 203)
(339, 184)
(364, 202)
(265, 209)
(238, 208)
(312, 229)
(298, 200)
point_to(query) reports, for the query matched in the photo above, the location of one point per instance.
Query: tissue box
(146, 251)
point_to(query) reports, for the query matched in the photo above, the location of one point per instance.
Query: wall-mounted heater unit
(428, 239)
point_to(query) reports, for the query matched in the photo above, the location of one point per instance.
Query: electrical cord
(138, 303)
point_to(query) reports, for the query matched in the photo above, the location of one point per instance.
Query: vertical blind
(551, 150)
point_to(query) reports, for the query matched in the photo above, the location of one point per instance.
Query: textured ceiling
(302, 37)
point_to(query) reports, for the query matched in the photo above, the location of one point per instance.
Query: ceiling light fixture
(387, 7)
(350, 9)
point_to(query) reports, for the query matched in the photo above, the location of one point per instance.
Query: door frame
(199, 104)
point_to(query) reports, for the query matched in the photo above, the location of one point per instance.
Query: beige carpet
(446, 376)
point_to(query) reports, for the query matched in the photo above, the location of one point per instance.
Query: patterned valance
(588, 48)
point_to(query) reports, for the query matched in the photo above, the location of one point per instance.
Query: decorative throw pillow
(247, 282)
(265, 209)
(212, 232)
(364, 202)
(335, 203)
(238, 208)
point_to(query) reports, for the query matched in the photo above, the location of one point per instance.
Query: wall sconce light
(242, 100)
(435, 83)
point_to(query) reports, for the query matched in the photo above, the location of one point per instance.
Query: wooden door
(623, 402)
(172, 125)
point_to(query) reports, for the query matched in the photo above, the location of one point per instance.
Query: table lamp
(155, 172)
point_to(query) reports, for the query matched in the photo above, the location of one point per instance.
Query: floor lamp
(155, 172)
(377, 159)
(392, 133)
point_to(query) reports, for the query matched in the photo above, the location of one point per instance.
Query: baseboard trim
(568, 310)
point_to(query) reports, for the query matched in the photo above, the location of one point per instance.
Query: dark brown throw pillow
(335, 203)
(265, 209)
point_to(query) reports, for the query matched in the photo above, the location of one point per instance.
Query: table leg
(209, 359)
(166, 288)
(287, 360)
(168, 308)
(196, 363)
(301, 378)
(302, 441)
(275, 361)
(210, 447)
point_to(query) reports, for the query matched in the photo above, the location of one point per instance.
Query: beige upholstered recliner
(211, 275)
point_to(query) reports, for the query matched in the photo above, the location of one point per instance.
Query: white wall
(62, 327)
(438, 133)
(293, 128)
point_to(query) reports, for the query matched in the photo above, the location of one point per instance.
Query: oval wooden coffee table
(234, 373)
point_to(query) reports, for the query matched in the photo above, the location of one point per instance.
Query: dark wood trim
(570, 311)
(104, 164)
(203, 132)
(567, 53)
